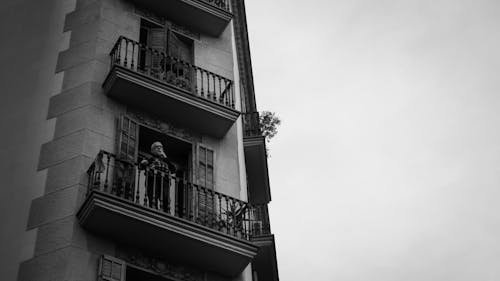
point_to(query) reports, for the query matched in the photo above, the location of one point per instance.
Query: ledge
(174, 104)
(197, 14)
(165, 235)
(257, 171)
(265, 264)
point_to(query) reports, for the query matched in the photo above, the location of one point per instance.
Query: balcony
(256, 160)
(265, 264)
(170, 217)
(182, 93)
(206, 16)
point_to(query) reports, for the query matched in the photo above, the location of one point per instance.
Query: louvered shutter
(180, 72)
(206, 200)
(179, 48)
(111, 269)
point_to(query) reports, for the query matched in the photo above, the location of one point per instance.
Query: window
(206, 197)
(134, 145)
(111, 269)
(128, 133)
(171, 52)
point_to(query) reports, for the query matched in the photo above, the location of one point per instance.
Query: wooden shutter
(206, 167)
(128, 139)
(111, 269)
(206, 200)
(157, 42)
(180, 47)
(128, 143)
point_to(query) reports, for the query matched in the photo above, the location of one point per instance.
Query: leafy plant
(269, 123)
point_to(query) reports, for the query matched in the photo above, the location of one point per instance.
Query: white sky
(387, 164)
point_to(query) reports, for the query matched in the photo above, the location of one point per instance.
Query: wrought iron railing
(172, 71)
(251, 122)
(221, 4)
(162, 191)
(260, 225)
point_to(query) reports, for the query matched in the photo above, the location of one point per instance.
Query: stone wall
(84, 121)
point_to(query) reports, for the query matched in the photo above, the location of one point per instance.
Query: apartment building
(134, 150)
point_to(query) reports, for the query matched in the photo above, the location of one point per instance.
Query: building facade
(92, 88)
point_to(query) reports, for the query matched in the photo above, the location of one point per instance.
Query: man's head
(157, 149)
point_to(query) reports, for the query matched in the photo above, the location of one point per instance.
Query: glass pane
(125, 124)
(210, 177)
(123, 146)
(202, 175)
(132, 130)
(106, 268)
(203, 155)
(131, 149)
(210, 157)
(117, 271)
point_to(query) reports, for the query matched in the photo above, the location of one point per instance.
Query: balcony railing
(256, 159)
(251, 121)
(169, 70)
(260, 221)
(221, 4)
(210, 17)
(163, 192)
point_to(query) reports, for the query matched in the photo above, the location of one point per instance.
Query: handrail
(221, 4)
(251, 124)
(172, 71)
(162, 191)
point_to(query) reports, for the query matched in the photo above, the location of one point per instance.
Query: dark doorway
(179, 153)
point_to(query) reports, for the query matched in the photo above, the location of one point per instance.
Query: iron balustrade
(172, 71)
(221, 4)
(260, 225)
(251, 122)
(164, 192)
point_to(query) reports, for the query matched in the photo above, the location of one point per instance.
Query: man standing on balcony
(158, 171)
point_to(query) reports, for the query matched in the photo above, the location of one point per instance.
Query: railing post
(137, 186)
(146, 186)
(190, 197)
(162, 191)
(177, 207)
(220, 212)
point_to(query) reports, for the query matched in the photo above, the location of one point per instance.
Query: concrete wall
(84, 124)
(216, 54)
(32, 35)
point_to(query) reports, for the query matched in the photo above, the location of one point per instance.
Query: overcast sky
(387, 164)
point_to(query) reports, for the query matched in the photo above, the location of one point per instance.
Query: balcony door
(180, 47)
(168, 56)
(153, 38)
(148, 180)
(175, 195)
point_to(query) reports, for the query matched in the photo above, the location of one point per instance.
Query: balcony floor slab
(165, 235)
(175, 105)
